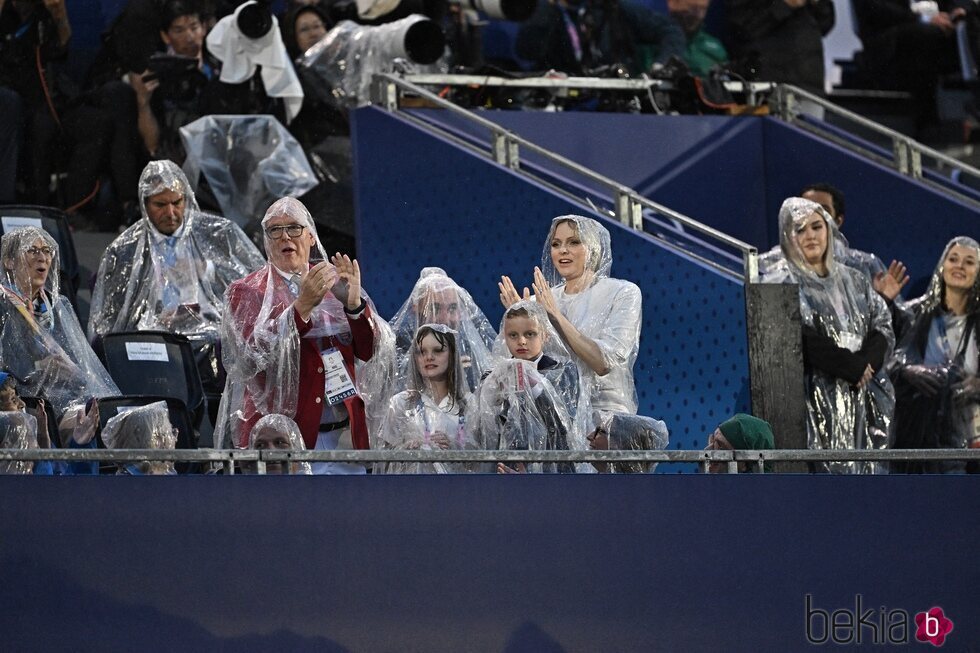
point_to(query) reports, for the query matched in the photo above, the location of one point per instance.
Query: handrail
(907, 153)
(505, 150)
(262, 457)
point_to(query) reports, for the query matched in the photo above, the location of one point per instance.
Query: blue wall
(733, 174)
(423, 201)
(481, 563)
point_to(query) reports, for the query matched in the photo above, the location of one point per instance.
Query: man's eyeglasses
(291, 230)
(46, 252)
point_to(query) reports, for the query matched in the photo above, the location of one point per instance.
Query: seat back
(55, 222)
(180, 417)
(154, 363)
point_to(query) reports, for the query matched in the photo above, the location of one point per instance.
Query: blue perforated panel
(424, 201)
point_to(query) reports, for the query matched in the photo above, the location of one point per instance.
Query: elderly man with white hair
(291, 332)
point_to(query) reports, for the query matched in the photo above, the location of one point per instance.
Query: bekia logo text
(867, 625)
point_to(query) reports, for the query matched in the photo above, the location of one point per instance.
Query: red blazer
(247, 294)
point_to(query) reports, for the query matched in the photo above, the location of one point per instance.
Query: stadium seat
(154, 363)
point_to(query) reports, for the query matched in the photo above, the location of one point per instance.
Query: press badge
(337, 382)
(850, 341)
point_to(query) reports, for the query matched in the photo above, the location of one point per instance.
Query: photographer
(60, 132)
(574, 37)
(169, 92)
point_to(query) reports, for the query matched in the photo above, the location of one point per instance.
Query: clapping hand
(313, 285)
(508, 293)
(543, 294)
(348, 288)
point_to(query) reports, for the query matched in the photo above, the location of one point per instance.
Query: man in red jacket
(291, 333)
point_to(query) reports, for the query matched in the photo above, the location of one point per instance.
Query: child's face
(9, 399)
(432, 359)
(524, 338)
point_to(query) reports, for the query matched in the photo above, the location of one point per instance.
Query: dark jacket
(781, 43)
(620, 28)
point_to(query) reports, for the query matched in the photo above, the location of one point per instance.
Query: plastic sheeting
(518, 409)
(278, 432)
(248, 161)
(17, 431)
(143, 427)
(844, 307)
(260, 339)
(416, 418)
(627, 432)
(241, 56)
(344, 61)
(526, 333)
(934, 365)
(41, 341)
(150, 281)
(607, 311)
(773, 261)
(435, 299)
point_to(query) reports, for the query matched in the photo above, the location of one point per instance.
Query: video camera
(179, 76)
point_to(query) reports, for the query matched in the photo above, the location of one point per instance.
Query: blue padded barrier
(733, 174)
(480, 563)
(707, 167)
(423, 201)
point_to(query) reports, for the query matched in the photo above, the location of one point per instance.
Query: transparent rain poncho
(17, 431)
(773, 262)
(608, 311)
(151, 282)
(435, 299)
(341, 65)
(143, 427)
(249, 162)
(938, 344)
(272, 432)
(555, 363)
(415, 418)
(517, 409)
(261, 342)
(843, 307)
(627, 432)
(41, 340)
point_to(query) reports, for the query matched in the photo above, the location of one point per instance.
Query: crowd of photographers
(79, 142)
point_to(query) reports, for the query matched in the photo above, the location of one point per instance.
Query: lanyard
(21, 305)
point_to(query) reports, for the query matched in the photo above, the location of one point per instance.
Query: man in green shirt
(703, 51)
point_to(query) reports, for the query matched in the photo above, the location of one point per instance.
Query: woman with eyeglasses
(291, 334)
(41, 340)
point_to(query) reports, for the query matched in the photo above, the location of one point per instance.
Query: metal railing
(506, 148)
(906, 155)
(230, 457)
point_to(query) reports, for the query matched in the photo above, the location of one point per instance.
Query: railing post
(506, 151)
(629, 211)
(384, 93)
(900, 150)
(784, 99)
(915, 162)
(751, 258)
